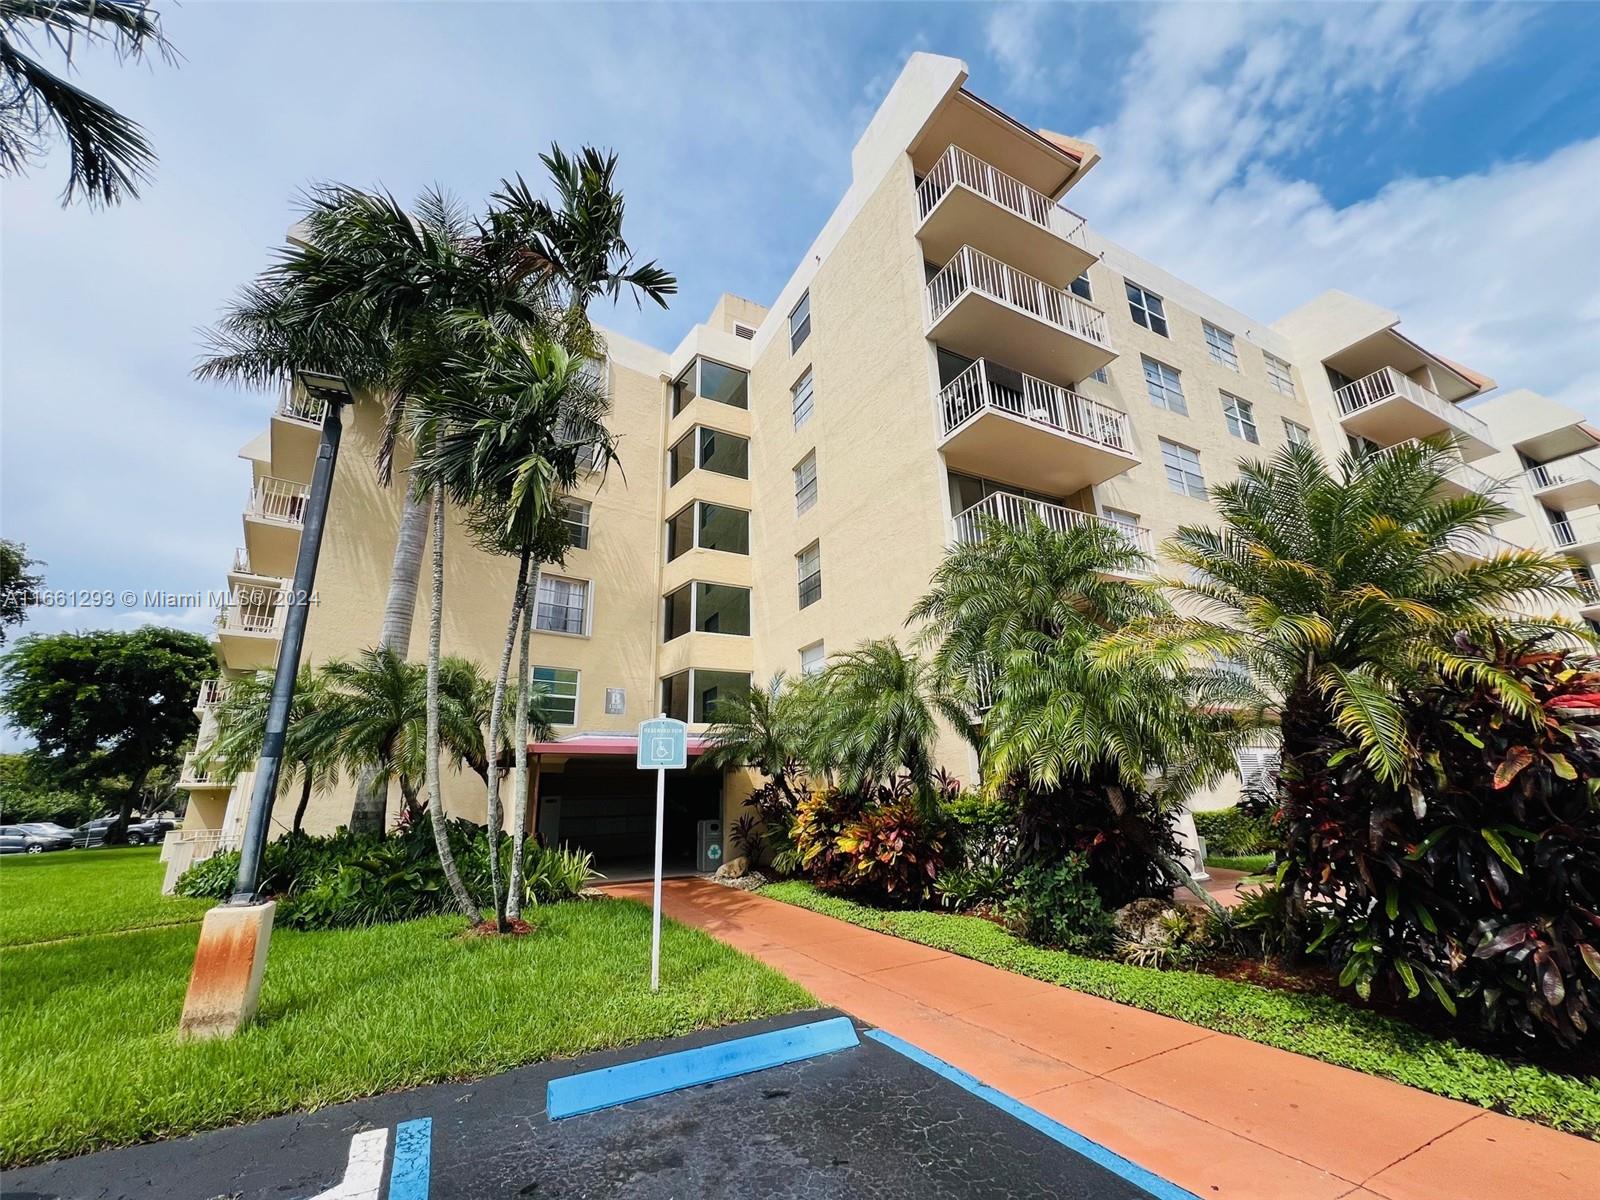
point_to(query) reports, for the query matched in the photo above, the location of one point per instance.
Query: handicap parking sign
(663, 744)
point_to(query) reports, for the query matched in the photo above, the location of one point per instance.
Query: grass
(1250, 864)
(89, 1060)
(1316, 1026)
(71, 893)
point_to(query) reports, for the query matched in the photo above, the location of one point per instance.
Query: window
(1295, 433)
(675, 696)
(1080, 287)
(708, 527)
(1183, 469)
(563, 605)
(711, 450)
(1146, 308)
(575, 515)
(694, 695)
(1220, 343)
(805, 483)
(706, 608)
(1127, 523)
(1241, 418)
(801, 399)
(1100, 375)
(1166, 391)
(714, 381)
(808, 564)
(557, 691)
(800, 323)
(1278, 374)
(812, 658)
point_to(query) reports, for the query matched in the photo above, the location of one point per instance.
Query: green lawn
(69, 893)
(1316, 1026)
(1252, 864)
(88, 1057)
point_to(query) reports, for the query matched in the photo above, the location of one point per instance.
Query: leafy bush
(966, 886)
(884, 850)
(550, 874)
(1231, 832)
(1119, 848)
(1056, 904)
(1261, 919)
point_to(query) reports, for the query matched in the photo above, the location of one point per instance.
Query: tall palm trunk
(519, 786)
(305, 799)
(441, 831)
(492, 750)
(405, 574)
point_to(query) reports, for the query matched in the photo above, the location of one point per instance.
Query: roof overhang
(1047, 162)
(1391, 348)
(606, 745)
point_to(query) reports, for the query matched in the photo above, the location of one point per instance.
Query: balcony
(250, 627)
(1478, 547)
(296, 431)
(273, 519)
(1002, 424)
(1589, 599)
(1463, 479)
(210, 696)
(1015, 511)
(1566, 483)
(977, 305)
(1387, 407)
(195, 778)
(1578, 537)
(963, 200)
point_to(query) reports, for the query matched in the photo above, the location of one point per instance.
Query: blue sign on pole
(663, 745)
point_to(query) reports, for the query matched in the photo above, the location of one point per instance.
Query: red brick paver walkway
(1213, 1113)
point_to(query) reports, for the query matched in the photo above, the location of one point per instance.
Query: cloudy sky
(1442, 160)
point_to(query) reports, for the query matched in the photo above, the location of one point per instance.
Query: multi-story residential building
(954, 342)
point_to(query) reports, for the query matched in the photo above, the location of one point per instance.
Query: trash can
(710, 844)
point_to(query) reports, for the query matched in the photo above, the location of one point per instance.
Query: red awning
(616, 744)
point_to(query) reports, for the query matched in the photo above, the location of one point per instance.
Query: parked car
(30, 839)
(93, 833)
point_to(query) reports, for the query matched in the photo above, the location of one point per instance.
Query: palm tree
(1015, 617)
(310, 745)
(762, 728)
(110, 157)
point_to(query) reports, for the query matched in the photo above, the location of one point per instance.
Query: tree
(17, 584)
(762, 729)
(1339, 589)
(106, 704)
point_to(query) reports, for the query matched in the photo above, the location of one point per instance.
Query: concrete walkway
(1213, 1113)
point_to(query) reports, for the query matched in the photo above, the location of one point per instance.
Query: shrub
(1118, 848)
(1056, 904)
(1232, 832)
(210, 879)
(883, 850)
(550, 874)
(966, 886)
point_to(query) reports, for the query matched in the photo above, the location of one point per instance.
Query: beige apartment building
(955, 341)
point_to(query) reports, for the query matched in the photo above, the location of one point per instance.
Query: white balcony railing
(1482, 545)
(1575, 531)
(280, 500)
(1562, 472)
(1464, 474)
(210, 694)
(1588, 592)
(1386, 383)
(973, 270)
(194, 775)
(295, 404)
(1015, 511)
(957, 167)
(988, 386)
(254, 611)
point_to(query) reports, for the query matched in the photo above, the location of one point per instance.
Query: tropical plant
(764, 730)
(1232, 831)
(1054, 903)
(109, 156)
(884, 849)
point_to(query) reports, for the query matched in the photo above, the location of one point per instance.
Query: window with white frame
(801, 399)
(1295, 433)
(1220, 343)
(555, 689)
(1279, 374)
(1240, 415)
(1182, 464)
(800, 322)
(812, 658)
(808, 570)
(1146, 308)
(575, 515)
(1100, 375)
(563, 605)
(1080, 287)
(1126, 523)
(1164, 386)
(805, 483)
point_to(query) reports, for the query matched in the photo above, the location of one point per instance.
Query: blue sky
(1441, 160)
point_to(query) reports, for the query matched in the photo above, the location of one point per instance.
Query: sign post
(663, 747)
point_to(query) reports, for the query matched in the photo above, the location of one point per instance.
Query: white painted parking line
(363, 1174)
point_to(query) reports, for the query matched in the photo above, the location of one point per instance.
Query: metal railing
(295, 404)
(1570, 531)
(973, 270)
(211, 692)
(194, 775)
(281, 500)
(1482, 545)
(1576, 469)
(1011, 509)
(1465, 474)
(257, 611)
(981, 387)
(957, 167)
(1588, 592)
(1386, 383)
(241, 562)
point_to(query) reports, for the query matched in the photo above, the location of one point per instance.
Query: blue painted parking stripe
(591, 1090)
(413, 1153)
(1156, 1186)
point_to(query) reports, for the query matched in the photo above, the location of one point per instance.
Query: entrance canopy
(621, 745)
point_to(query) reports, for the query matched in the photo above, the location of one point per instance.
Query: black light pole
(332, 390)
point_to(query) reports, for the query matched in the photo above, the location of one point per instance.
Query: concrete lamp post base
(228, 964)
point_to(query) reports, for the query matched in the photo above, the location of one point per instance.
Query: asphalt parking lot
(869, 1120)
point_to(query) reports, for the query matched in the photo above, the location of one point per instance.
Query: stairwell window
(1279, 374)
(800, 323)
(575, 516)
(805, 483)
(563, 605)
(1182, 464)
(1295, 433)
(1241, 418)
(556, 689)
(1146, 308)
(1220, 344)
(1080, 287)
(714, 381)
(801, 399)
(812, 658)
(808, 568)
(1164, 386)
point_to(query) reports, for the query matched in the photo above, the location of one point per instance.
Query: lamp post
(232, 955)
